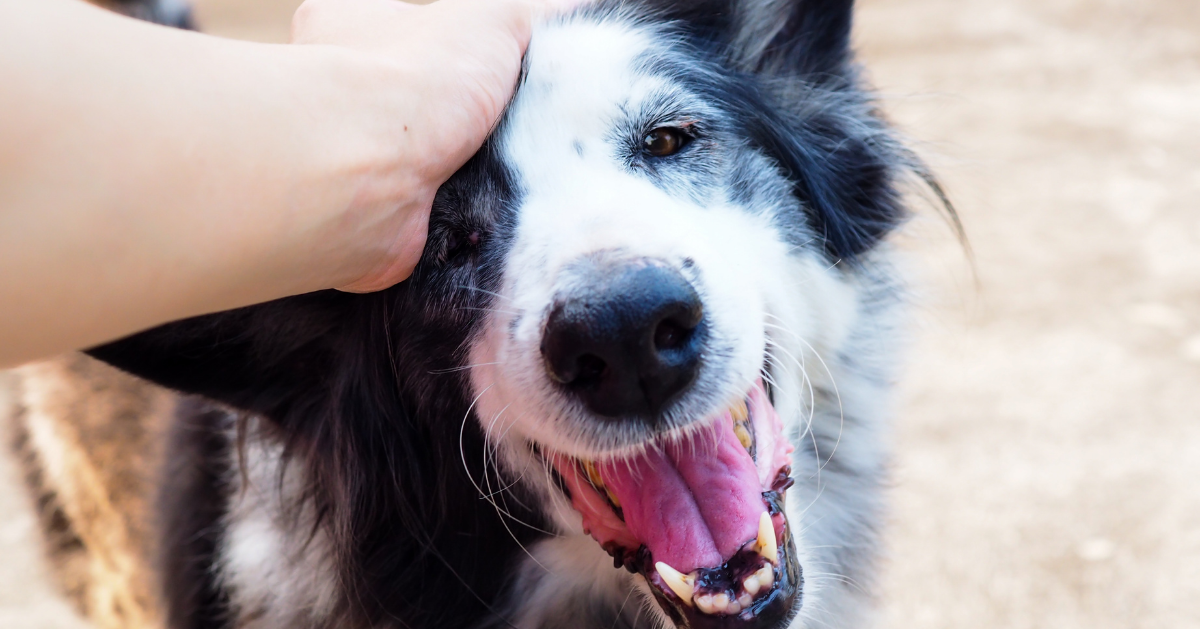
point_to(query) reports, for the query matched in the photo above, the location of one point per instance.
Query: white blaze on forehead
(581, 78)
(586, 88)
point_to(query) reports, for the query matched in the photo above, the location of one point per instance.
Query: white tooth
(682, 585)
(745, 600)
(705, 603)
(751, 584)
(767, 546)
(734, 608)
(766, 577)
(720, 602)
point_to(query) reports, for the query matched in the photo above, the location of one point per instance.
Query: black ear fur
(256, 358)
(828, 136)
(777, 37)
(810, 38)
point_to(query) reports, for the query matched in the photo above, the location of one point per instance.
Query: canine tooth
(739, 412)
(720, 602)
(743, 435)
(745, 600)
(767, 547)
(681, 584)
(597, 481)
(734, 608)
(751, 584)
(766, 577)
(593, 474)
(705, 603)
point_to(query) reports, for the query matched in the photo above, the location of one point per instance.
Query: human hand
(153, 174)
(446, 71)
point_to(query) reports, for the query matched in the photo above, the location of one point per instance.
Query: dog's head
(622, 291)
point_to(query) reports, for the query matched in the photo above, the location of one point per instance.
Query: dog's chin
(700, 517)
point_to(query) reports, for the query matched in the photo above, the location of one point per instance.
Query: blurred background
(1047, 468)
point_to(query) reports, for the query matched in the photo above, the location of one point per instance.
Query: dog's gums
(699, 516)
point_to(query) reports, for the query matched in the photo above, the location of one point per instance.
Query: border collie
(639, 378)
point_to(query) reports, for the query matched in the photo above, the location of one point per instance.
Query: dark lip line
(781, 605)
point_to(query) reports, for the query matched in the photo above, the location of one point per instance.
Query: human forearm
(148, 174)
(204, 190)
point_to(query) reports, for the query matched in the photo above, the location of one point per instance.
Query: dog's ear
(809, 38)
(810, 114)
(262, 358)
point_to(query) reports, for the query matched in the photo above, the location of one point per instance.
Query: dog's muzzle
(700, 515)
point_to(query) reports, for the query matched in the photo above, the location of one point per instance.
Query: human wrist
(430, 82)
(362, 185)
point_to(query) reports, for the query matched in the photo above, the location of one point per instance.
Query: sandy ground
(1048, 448)
(1048, 436)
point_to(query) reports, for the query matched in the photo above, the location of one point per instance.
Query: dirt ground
(1048, 435)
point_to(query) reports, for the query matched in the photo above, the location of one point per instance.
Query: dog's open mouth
(701, 518)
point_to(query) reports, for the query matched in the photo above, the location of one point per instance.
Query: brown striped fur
(90, 440)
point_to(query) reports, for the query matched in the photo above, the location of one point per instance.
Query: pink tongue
(694, 503)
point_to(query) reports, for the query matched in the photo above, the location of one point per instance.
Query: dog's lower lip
(745, 589)
(742, 597)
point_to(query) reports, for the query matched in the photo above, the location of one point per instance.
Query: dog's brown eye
(664, 141)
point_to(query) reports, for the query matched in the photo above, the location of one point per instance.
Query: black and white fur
(378, 470)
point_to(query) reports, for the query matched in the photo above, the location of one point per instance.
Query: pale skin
(149, 174)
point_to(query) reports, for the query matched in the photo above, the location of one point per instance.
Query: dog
(640, 377)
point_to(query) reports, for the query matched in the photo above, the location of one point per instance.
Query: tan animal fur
(90, 438)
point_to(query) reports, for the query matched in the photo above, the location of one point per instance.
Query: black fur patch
(366, 392)
(192, 502)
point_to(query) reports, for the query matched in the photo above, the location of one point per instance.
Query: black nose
(628, 342)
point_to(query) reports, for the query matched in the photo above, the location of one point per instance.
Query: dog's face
(653, 251)
(639, 291)
(657, 292)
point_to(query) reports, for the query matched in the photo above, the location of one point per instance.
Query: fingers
(446, 70)
(380, 25)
